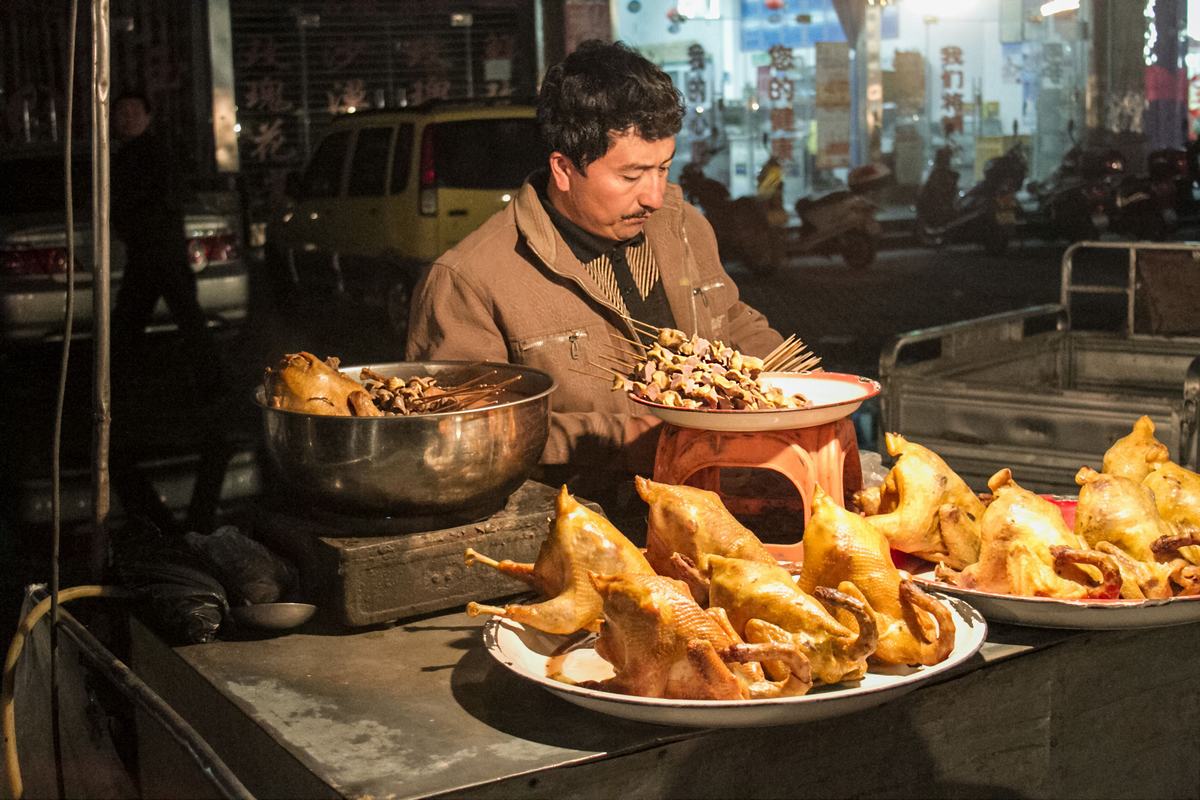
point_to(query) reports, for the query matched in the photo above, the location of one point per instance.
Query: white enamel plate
(1049, 612)
(833, 395)
(526, 652)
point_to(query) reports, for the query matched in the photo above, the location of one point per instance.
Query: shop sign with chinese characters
(952, 89)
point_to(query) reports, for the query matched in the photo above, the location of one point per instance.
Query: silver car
(33, 254)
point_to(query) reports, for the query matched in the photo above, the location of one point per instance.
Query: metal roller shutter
(296, 66)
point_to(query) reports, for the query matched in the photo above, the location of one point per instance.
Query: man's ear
(562, 170)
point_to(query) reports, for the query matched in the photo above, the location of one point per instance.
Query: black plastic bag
(182, 601)
(249, 571)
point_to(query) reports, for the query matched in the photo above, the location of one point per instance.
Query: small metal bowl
(454, 463)
(274, 616)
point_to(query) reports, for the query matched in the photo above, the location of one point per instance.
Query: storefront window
(781, 78)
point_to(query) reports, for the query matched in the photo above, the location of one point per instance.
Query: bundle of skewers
(692, 372)
(423, 395)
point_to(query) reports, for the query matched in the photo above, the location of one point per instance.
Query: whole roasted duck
(1119, 516)
(693, 523)
(764, 604)
(924, 507)
(1027, 549)
(1134, 455)
(845, 552)
(303, 382)
(580, 542)
(662, 644)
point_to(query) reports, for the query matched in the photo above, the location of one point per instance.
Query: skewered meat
(925, 508)
(1177, 496)
(661, 644)
(694, 523)
(843, 551)
(694, 372)
(395, 396)
(580, 541)
(1133, 455)
(1027, 549)
(1117, 515)
(303, 382)
(765, 604)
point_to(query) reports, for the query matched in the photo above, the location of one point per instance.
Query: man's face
(130, 118)
(619, 191)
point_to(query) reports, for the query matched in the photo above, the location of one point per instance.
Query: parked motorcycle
(986, 214)
(843, 221)
(1090, 193)
(742, 226)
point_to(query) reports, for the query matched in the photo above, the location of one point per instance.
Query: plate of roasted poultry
(706, 628)
(1124, 554)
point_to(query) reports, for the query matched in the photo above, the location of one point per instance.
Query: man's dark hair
(134, 94)
(600, 88)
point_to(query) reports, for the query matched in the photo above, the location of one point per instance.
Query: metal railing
(1068, 287)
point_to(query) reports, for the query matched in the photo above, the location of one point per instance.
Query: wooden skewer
(624, 365)
(624, 356)
(605, 377)
(608, 370)
(641, 347)
(769, 357)
(644, 327)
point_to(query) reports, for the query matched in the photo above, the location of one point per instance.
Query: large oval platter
(527, 652)
(1049, 612)
(833, 395)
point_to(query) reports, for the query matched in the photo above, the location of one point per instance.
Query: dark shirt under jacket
(617, 266)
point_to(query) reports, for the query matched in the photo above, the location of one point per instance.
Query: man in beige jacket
(597, 236)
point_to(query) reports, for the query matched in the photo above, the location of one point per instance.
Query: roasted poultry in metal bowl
(335, 448)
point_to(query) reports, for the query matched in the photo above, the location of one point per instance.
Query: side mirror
(292, 185)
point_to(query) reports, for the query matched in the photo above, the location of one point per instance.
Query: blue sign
(791, 23)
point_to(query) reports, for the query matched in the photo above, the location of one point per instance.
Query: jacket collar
(664, 232)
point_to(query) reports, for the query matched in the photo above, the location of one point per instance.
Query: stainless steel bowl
(457, 463)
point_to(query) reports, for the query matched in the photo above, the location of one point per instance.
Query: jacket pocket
(553, 348)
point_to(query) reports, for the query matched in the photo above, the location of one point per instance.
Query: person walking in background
(147, 216)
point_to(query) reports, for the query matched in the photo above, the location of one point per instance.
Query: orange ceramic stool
(825, 454)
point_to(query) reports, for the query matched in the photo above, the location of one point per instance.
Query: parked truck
(1027, 390)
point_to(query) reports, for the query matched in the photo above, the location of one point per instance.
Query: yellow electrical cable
(12, 766)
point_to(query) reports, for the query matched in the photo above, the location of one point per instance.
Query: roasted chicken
(1027, 549)
(1117, 515)
(1133, 455)
(662, 644)
(764, 604)
(303, 382)
(694, 523)
(580, 541)
(843, 551)
(925, 508)
(1177, 496)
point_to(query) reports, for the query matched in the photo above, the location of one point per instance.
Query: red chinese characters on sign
(952, 89)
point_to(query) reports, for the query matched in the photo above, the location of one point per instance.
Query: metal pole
(305, 134)
(470, 65)
(101, 252)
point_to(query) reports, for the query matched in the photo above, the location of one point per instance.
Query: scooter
(1079, 199)
(742, 226)
(843, 221)
(986, 214)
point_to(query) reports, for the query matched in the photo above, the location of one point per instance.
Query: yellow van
(388, 191)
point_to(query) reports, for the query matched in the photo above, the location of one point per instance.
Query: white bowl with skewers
(698, 383)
